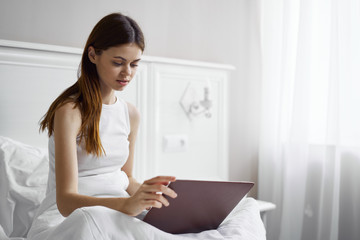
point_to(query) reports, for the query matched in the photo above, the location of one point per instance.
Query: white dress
(102, 177)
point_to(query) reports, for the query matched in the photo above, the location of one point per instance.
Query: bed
(25, 94)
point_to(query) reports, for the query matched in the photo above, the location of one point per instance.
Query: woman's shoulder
(133, 111)
(69, 110)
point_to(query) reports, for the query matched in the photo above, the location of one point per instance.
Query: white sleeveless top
(97, 176)
(101, 176)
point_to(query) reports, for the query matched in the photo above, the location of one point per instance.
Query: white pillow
(23, 179)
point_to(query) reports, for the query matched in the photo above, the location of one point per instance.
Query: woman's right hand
(150, 194)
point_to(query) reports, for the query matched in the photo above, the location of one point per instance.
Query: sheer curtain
(309, 159)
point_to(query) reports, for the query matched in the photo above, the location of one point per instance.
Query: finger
(169, 192)
(160, 189)
(164, 180)
(160, 198)
(153, 203)
(160, 180)
(156, 197)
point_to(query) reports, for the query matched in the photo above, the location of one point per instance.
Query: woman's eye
(117, 64)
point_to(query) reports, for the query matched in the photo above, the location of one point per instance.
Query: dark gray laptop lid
(200, 205)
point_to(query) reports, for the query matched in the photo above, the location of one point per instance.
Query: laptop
(199, 206)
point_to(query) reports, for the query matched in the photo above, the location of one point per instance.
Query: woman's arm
(66, 127)
(67, 123)
(139, 191)
(134, 116)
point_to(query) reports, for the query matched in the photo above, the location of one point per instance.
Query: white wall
(204, 30)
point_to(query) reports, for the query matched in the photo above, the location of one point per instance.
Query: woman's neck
(109, 99)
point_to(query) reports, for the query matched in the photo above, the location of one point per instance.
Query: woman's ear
(92, 54)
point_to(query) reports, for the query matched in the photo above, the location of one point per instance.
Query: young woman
(92, 136)
(91, 193)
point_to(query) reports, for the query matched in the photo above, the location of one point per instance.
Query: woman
(91, 193)
(92, 136)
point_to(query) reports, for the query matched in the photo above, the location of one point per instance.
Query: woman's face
(116, 66)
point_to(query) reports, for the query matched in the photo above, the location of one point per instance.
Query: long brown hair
(112, 30)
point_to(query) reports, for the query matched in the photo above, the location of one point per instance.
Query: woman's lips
(123, 82)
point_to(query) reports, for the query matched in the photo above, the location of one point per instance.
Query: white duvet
(23, 177)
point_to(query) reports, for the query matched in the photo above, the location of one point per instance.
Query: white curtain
(309, 159)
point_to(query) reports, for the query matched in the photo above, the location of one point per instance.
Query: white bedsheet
(243, 223)
(23, 176)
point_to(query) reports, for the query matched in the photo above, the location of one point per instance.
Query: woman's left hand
(150, 194)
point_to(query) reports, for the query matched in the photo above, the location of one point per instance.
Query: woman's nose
(126, 70)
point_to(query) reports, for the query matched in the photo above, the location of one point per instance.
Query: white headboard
(33, 75)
